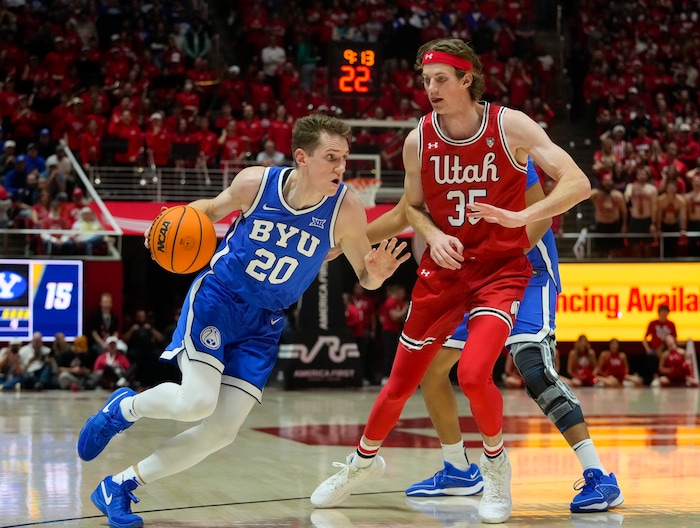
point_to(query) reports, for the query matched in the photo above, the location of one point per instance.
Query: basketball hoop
(365, 188)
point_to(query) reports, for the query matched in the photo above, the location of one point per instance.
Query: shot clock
(354, 70)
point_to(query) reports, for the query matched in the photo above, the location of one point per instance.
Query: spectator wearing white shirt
(270, 156)
(273, 57)
(87, 242)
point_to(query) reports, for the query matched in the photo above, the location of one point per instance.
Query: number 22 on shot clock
(354, 70)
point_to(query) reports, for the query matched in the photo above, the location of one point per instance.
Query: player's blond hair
(461, 49)
(307, 131)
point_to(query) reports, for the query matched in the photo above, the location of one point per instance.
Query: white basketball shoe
(496, 503)
(334, 490)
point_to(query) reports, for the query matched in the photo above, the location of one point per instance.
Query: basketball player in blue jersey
(532, 345)
(227, 336)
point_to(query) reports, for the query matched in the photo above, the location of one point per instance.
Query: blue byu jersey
(272, 252)
(544, 256)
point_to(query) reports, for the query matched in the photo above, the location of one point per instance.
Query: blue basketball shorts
(535, 318)
(221, 329)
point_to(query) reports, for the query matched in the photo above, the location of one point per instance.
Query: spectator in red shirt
(188, 99)
(251, 129)
(280, 130)
(391, 316)
(518, 81)
(433, 30)
(368, 324)
(73, 123)
(111, 368)
(150, 69)
(208, 142)
(653, 341)
(419, 97)
(91, 145)
(173, 58)
(225, 115)
(403, 77)
(642, 143)
(297, 104)
(289, 76)
(126, 128)
(71, 210)
(352, 318)
(158, 140)
(98, 114)
(233, 89)
(58, 61)
(56, 243)
(8, 98)
(24, 122)
(204, 78)
(688, 148)
(261, 92)
(234, 148)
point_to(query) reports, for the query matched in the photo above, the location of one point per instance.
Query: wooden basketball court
(650, 438)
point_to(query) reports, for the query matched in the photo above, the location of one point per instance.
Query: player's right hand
(446, 251)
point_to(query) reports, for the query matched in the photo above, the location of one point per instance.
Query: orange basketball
(182, 239)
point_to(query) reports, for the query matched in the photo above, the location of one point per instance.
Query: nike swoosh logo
(108, 498)
(106, 409)
(277, 320)
(268, 208)
(474, 475)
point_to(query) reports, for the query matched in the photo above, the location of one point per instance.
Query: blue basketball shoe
(598, 493)
(101, 427)
(449, 481)
(114, 500)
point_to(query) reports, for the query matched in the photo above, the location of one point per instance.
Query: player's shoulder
(412, 138)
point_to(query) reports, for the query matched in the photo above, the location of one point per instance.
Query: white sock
(493, 451)
(456, 455)
(126, 406)
(128, 474)
(588, 456)
(364, 456)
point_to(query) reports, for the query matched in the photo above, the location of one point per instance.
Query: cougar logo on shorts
(210, 337)
(514, 308)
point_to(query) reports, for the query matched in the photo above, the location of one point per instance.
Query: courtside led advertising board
(606, 300)
(40, 296)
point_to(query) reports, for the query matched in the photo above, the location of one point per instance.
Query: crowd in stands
(640, 91)
(104, 358)
(126, 84)
(147, 84)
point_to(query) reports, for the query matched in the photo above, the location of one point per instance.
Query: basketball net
(365, 188)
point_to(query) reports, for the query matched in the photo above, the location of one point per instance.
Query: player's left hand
(496, 215)
(383, 260)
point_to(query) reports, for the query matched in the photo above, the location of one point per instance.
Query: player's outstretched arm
(526, 137)
(372, 266)
(389, 224)
(384, 227)
(445, 250)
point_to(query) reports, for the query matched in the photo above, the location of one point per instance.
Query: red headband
(447, 58)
